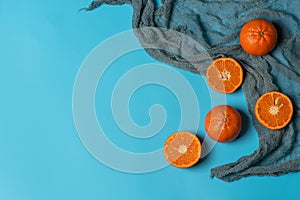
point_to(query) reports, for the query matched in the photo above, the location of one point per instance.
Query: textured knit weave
(215, 25)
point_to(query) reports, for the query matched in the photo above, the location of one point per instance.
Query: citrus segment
(274, 110)
(224, 75)
(182, 149)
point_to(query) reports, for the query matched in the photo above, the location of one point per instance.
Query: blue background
(42, 45)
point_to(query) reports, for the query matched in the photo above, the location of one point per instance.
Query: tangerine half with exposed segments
(182, 149)
(274, 110)
(224, 75)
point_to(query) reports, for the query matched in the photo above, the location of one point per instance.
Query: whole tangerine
(258, 37)
(223, 123)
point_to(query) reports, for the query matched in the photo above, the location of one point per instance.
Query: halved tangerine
(224, 75)
(182, 149)
(274, 110)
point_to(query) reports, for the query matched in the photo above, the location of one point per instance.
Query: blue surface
(43, 44)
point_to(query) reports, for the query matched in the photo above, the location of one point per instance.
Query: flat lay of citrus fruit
(223, 123)
(182, 149)
(258, 37)
(224, 75)
(274, 110)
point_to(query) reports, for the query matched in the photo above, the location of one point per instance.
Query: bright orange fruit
(223, 123)
(274, 110)
(258, 37)
(182, 149)
(224, 75)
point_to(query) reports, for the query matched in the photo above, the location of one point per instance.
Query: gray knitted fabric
(215, 25)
